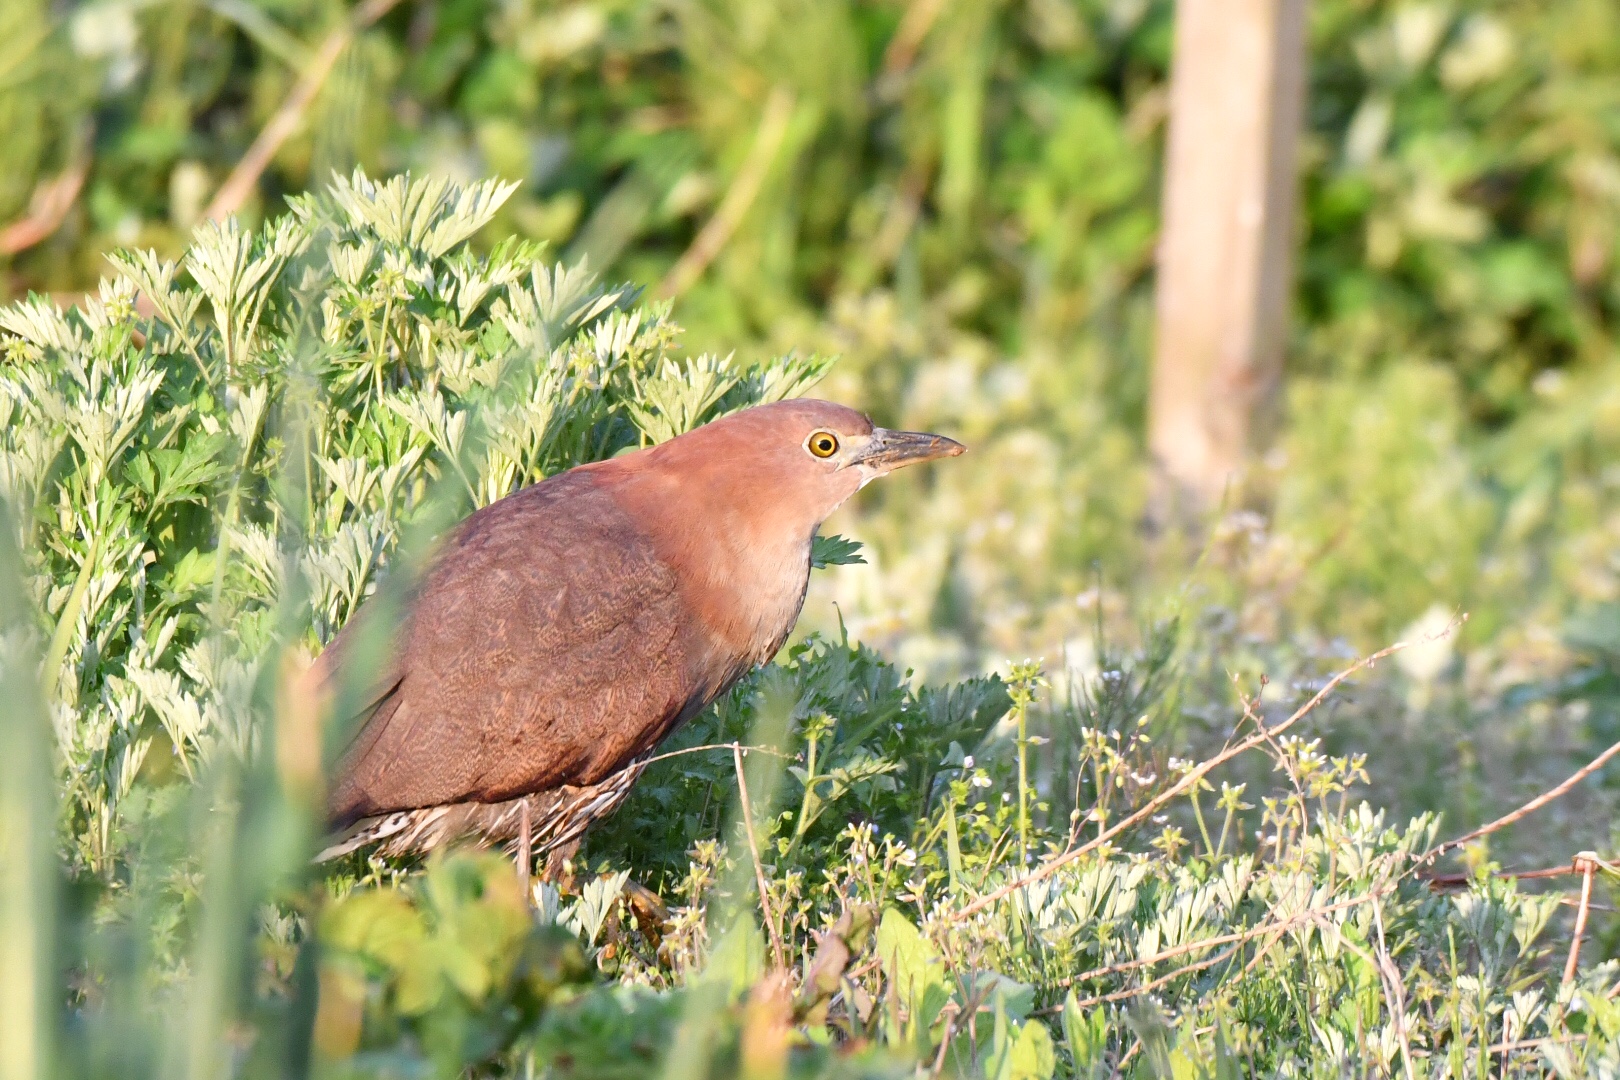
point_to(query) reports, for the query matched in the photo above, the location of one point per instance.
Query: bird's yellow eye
(823, 444)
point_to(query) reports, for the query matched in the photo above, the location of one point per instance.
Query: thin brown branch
(919, 18)
(47, 209)
(862, 969)
(1276, 929)
(1119, 1069)
(938, 1067)
(1182, 786)
(1573, 964)
(1443, 882)
(759, 866)
(900, 218)
(1167, 977)
(1528, 808)
(245, 176)
(1535, 1044)
(1567, 901)
(734, 206)
(1393, 988)
(718, 746)
(1260, 954)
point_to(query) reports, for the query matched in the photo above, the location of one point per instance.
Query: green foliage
(963, 204)
(870, 744)
(209, 489)
(1383, 497)
(44, 96)
(455, 965)
(411, 380)
(200, 491)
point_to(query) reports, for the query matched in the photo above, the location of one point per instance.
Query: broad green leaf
(1032, 1056)
(738, 959)
(1086, 1032)
(916, 973)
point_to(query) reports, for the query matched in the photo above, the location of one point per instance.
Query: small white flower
(981, 781)
(967, 762)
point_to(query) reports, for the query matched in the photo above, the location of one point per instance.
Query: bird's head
(793, 463)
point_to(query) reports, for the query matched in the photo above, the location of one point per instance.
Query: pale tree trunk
(1236, 105)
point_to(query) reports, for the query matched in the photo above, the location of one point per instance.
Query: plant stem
(1572, 964)
(1023, 783)
(809, 785)
(62, 637)
(953, 845)
(805, 819)
(759, 867)
(1203, 830)
(244, 178)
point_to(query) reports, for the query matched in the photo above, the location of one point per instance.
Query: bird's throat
(753, 596)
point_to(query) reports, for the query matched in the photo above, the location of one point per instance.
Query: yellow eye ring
(823, 444)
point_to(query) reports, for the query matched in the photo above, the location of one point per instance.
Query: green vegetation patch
(211, 462)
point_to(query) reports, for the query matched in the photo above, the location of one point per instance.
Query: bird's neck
(753, 583)
(744, 563)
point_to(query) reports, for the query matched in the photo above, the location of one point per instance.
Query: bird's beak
(888, 450)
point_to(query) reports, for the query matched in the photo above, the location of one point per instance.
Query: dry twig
(717, 746)
(938, 1067)
(1528, 808)
(525, 852)
(1535, 1044)
(245, 176)
(918, 19)
(1393, 988)
(1119, 1069)
(1162, 980)
(47, 209)
(1276, 929)
(1587, 865)
(899, 219)
(773, 125)
(1442, 882)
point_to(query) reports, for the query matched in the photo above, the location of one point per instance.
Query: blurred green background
(961, 201)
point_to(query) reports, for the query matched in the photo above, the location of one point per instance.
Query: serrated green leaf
(835, 550)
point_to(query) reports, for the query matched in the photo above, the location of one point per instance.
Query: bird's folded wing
(546, 645)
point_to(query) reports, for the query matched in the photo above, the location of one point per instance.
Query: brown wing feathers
(512, 657)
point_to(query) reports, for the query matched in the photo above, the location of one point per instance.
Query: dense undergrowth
(983, 878)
